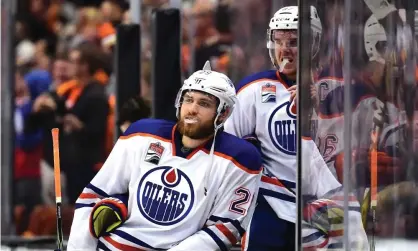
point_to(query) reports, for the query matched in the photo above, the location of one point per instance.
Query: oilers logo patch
(282, 128)
(154, 153)
(165, 195)
(268, 93)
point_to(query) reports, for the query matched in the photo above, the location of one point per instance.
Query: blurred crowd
(64, 78)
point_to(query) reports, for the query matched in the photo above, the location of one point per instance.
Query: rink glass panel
(365, 109)
(7, 116)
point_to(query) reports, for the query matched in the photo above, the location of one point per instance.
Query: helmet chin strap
(211, 155)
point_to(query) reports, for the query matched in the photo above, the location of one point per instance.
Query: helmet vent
(217, 89)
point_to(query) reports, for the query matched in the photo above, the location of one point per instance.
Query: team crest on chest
(154, 153)
(165, 195)
(282, 128)
(268, 93)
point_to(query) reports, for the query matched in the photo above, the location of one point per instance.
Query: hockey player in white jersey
(375, 104)
(190, 185)
(264, 111)
(368, 91)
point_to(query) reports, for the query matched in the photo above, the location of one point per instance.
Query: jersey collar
(284, 80)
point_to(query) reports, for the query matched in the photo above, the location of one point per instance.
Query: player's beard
(197, 130)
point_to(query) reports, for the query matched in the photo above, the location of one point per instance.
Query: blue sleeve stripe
(357, 209)
(97, 190)
(277, 195)
(338, 246)
(81, 205)
(288, 184)
(235, 223)
(218, 241)
(123, 197)
(312, 237)
(102, 246)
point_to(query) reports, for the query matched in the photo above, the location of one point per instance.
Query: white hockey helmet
(213, 83)
(374, 39)
(287, 19)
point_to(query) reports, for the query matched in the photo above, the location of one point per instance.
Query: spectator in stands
(86, 27)
(34, 14)
(61, 73)
(208, 42)
(111, 12)
(28, 154)
(25, 48)
(80, 109)
(61, 70)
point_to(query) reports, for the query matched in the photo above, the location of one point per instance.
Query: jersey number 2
(244, 197)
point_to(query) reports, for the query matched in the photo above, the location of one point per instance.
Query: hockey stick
(373, 175)
(379, 118)
(57, 177)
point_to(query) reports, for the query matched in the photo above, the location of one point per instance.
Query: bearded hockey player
(190, 186)
(264, 111)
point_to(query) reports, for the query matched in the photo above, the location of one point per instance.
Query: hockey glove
(107, 215)
(388, 167)
(323, 214)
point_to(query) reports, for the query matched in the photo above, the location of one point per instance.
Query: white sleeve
(242, 121)
(317, 177)
(232, 210)
(113, 178)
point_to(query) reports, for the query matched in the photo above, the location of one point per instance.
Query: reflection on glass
(380, 78)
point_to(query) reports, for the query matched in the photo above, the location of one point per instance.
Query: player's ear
(224, 114)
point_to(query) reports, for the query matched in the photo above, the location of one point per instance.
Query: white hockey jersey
(264, 111)
(168, 207)
(330, 139)
(329, 136)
